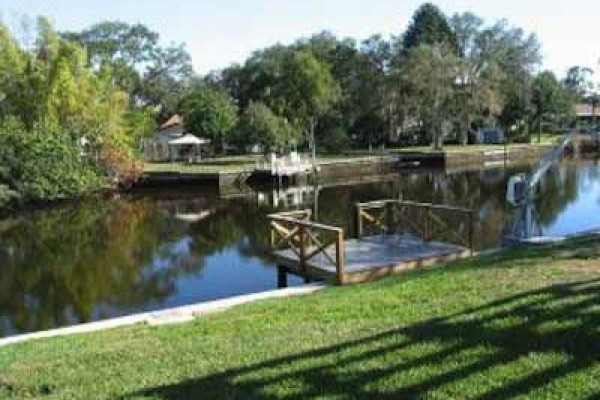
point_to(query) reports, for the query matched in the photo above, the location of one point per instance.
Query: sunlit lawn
(248, 162)
(523, 323)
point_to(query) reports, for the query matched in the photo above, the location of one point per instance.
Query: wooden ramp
(318, 251)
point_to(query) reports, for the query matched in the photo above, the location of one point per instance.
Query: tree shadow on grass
(464, 355)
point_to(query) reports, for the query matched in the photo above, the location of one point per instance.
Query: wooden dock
(391, 236)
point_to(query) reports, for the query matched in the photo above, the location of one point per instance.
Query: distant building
(585, 113)
(490, 135)
(172, 143)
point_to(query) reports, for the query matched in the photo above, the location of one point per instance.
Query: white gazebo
(186, 141)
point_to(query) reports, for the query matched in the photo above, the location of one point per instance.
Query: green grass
(546, 140)
(247, 163)
(518, 324)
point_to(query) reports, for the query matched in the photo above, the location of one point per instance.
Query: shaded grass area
(522, 323)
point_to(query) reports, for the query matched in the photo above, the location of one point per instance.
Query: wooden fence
(296, 232)
(426, 220)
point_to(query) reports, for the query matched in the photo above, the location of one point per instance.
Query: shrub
(335, 141)
(260, 125)
(44, 163)
(7, 196)
(119, 166)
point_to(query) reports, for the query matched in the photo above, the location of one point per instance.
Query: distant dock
(290, 167)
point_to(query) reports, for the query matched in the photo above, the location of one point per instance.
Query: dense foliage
(53, 168)
(60, 119)
(209, 113)
(151, 74)
(439, 81)
(259, 125)
(108, 86)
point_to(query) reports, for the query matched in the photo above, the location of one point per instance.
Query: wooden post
(339, 257)
(359, 225)
(281, 277)
(273, 236)
(387, 219)
(302, 250)
(427, 223)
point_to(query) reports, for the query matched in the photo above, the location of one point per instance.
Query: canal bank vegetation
(66, 129)
(107, 87)
(434, 84)
(521, 322)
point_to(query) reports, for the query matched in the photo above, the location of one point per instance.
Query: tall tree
(430, 75)
(122, 47)
(578, 81)
(259, 125)
(514, 55)
(209, 113)
(304, 92)
(429, 26)
(550, 99)
(167, 78)
(479, 76)
(581, 84)
(12, 69)
(152, 75)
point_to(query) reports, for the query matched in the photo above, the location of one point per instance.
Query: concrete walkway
(167, 316)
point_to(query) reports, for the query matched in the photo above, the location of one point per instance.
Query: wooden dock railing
(428, 221)
(295, 231)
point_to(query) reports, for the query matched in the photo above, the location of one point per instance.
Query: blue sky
(219, 32)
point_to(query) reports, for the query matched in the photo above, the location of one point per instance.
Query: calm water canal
(157, 249)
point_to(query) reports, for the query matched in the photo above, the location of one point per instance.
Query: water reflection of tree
(483, 191)
(239, 223)
(559, 188)
(63, 266)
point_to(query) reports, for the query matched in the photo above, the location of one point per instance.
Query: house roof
(585, 110)
(175, 120)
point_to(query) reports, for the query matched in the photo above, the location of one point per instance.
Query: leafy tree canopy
(259, 125)
(429, 26)
(209, 112)
(59, 119)
(150, 73)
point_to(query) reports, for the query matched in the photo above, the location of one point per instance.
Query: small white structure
(172, 143)
(290, 165)
(193, 145)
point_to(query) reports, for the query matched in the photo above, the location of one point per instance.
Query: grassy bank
(248, 162)
(522, 323)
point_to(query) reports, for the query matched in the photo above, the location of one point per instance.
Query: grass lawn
(522, 323)
(549, 140)
(248, 162)
(236, 164)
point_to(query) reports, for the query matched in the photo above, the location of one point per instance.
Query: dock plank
(372, 257)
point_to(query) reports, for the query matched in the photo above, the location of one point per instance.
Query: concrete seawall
(228, 182)
(166, 316)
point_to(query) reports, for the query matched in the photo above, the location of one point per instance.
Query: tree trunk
(464, 133)
(437, 136)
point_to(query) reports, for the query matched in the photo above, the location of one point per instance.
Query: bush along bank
(66, 129)
(45, 164)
